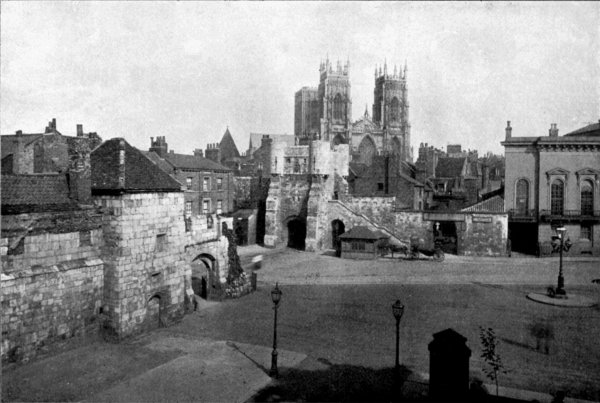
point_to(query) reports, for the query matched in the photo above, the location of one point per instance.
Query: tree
(489, 342)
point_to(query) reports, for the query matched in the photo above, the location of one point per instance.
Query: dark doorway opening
(199, 285)
(445, 236)
(154, 314)
(204, 275)
(337, 229)
(297, 234)
(523, 237)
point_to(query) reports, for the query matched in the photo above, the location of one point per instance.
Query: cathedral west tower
(390, 111)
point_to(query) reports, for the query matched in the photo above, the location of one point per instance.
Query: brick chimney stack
(79, 130)
(508, 130)
(553, 132)
(198, 152)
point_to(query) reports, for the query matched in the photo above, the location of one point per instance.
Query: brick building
(388, 177)
(553, 181)
(50, 151)
(208, 186)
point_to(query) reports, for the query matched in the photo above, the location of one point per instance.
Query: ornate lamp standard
(560, 288)
(276, 297)
(397, 310)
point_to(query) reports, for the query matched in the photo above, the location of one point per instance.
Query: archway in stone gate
(337, 229)
(204, 275)
(296, 233)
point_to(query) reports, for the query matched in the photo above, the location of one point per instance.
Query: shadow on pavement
(341, 383)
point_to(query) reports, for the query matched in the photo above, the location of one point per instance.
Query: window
(219, 206)
(161, 243)
(557, 197)
(587, 198)
(586, 232)
(395, 112)
(205, 206)
(338, 107)
(219, 183)
(188, 208)
(358, 245)
(380, 186)
(522, 196)
(205, 184)
(85, 238)
(188, 183)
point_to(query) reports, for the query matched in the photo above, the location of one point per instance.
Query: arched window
(557, 197)
(367, 150)
(338, 107)
(587, 198)
(395, 110)
(522, 196)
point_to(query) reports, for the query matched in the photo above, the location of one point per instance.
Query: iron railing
(582, 215)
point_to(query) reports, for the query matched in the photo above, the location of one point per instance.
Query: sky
(189, 70)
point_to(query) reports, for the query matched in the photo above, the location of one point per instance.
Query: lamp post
(276, 297)
(397, 310)
(560, 288)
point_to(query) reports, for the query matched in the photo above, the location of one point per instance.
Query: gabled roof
(364, 125)
(9, 142)
(360, 232)
(138, 173)
(35, 193)
(228, 147)
(449, 167)
(491, 205)
(195, 162)
(589, 130)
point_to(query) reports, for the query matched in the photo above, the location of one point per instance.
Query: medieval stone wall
(146, 275)
(52, 279)
(43, 304)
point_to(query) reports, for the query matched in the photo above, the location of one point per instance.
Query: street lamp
(276, 297)
(397, 310)
(560, 288)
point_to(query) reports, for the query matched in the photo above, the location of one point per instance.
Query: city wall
(52, 279)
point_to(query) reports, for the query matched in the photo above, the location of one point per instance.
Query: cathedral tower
(335, 102)
(390, 110)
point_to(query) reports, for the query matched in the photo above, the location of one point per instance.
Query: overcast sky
(187, 70)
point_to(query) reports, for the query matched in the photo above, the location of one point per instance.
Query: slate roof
(228, 147)
(492, 205)
(36, 193)
(140, 173)
(449, 167)
(194, 162)
(589, 130)
(360, 232)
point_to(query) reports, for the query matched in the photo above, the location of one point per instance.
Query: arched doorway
(204, 275)
(337, 229)
(154, 308)
(296, 233)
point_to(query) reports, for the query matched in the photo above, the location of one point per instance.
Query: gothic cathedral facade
(325, 113)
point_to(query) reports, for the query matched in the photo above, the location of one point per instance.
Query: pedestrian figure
(544, 334)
